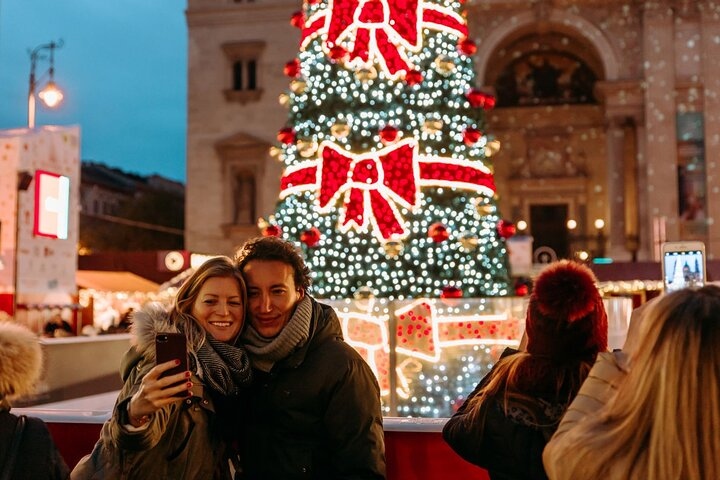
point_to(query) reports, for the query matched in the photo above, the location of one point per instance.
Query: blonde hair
(663, 421)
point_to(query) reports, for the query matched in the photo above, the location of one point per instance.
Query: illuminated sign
(52, 205)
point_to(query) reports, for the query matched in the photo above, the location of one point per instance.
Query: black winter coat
(509, 446)
(37, 458)
(316, 414)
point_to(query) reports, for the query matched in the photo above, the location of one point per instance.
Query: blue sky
(123, 69)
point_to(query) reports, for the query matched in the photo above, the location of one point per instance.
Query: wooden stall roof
(114, 281)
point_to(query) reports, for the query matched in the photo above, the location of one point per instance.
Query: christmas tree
(388, 185)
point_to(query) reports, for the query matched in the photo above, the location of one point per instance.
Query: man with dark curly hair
(314, 408)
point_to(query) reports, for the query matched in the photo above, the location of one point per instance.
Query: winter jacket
(509, 446)
(181, 441)
(316, 414)
(37, 457)
(600, 385)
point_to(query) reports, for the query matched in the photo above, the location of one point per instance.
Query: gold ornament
(366, 74)
(364, 297)
(307, 149)
(275, 152)
(468, 241)
(284, 99)
(393, 248)
(298, 86)
(485, 209)
(432, 126)
(340, 130)
(444, 65)
(492, 147)
(364, 293)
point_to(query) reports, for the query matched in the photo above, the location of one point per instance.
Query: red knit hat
(566, 317)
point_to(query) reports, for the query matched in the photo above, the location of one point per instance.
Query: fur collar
(20, 360)
(152, 319)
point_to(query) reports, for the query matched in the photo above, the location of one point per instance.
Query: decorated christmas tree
(388, 185)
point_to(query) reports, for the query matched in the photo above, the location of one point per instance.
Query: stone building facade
(607, 113)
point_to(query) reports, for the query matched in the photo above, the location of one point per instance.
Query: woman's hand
(155, 392)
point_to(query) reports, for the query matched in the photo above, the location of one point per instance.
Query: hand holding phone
(172, 346)
(683, 265)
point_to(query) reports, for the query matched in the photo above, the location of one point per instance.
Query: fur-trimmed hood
(152, 319)
(20, 360)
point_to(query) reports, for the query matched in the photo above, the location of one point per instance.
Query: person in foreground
(27, 450)
(506, 421)
(652, 410)
(314, 408)
(171, 427)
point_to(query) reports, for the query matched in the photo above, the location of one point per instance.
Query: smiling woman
(154, 414)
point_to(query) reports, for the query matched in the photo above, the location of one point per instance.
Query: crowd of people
(271, 391)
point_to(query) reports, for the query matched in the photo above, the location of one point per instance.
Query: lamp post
(50, 94)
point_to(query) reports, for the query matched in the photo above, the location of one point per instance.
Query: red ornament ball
(506, 229)
(297, 19)
(286, 135)
(310, 237)
(521, 290)
(271, 231)
(337, 53)
(471, 135)
(451, 292)
(413, 77)
(438, 232)
(489, 102)
(467, 46)
(388, 133)
(476, 98)
(292, 68)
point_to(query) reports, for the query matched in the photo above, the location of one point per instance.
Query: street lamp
(50, 95)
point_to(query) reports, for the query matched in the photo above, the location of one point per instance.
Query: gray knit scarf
(226, 368)
(265, 352)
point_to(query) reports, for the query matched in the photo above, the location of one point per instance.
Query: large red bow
(381, 28)
(372, 183)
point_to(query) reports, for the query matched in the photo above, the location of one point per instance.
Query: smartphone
(172, 346)
(683, 265)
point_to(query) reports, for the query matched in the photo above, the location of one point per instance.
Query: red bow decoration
(380, 27)
(372, 183)
(381, 31)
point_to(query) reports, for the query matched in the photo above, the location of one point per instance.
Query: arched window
(545, 78)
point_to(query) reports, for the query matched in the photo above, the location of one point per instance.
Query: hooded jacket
(316, 414)
(20, 363)
(181, 440)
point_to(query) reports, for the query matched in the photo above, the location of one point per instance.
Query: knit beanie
(566, 318)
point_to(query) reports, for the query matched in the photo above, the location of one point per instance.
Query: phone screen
(683, 269)
(172, 346)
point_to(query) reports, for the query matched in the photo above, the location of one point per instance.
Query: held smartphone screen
(172, 346)
(683, 268)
